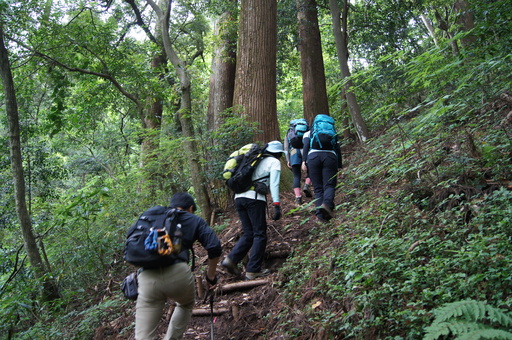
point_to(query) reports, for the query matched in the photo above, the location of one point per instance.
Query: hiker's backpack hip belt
(177, 260)
(320, 150)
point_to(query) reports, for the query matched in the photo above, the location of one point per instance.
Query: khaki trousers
(155, 287)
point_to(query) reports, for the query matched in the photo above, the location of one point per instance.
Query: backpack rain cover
(323, 133)
(297, 129)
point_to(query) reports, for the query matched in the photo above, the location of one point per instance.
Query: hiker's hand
(304, 166)
(277, 211)
(211, 282)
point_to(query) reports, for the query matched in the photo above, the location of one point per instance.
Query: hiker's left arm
(338, 153)
(212, 269)
(275, 176)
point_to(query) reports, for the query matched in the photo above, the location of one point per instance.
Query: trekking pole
(211, 316)
(210, 293)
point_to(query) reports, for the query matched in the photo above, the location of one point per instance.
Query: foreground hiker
(322, 158)
(175, 281)
(251, 208)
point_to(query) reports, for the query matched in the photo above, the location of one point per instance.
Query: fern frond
(453, 327)
(469, 319)
(435, 330)
(470, 309)
(497, 315)
(486, 334)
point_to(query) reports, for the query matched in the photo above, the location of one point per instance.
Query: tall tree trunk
(314, 90)
(341, 38)
(222, 79)
(465, 20)
(255, 81)
(50, 288)
(152, 119)
(180, 66)
(222, 86)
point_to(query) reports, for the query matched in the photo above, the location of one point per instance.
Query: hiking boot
(306, 190)
(231, 267)
(252, 276)
(326, 211)
(298, 200)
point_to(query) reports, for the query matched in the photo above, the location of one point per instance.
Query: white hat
(275, 147)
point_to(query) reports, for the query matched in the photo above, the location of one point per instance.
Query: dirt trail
(245, 312)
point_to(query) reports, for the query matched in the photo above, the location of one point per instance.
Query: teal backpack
(297, 129)
(323, 133)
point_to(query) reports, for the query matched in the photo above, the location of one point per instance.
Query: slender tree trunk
(36, 262)
(430, 28)
(445, 26)
(340, 35)
(255, 81)
(198, 179)
(314, 90)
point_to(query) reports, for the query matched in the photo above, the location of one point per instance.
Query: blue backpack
(297, 129)
(323, 133)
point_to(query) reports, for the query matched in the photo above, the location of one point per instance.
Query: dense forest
(108, 107)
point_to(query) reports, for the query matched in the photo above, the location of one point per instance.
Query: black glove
(277, 212)
(211, 282)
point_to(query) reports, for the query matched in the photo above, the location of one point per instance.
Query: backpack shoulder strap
(170, 219)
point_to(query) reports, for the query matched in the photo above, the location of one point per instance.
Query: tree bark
(222, 79)
(222, 86)
(50, 290)
(341, 38)
(314, 90)
(465, 20)
(255, 80)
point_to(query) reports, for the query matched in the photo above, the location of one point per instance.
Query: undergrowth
(421, 223)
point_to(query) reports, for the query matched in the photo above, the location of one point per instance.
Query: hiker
(294, 162)
(251, 208)
(322, 160)
(176, 280)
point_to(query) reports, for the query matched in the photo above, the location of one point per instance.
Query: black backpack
(298, 127)
(149, 243)
(239, 168)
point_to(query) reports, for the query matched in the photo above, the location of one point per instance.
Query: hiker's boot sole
(252, 276)
(326, 211)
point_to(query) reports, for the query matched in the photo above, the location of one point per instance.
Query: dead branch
(242, 285)
(207, 312)
(277, 254)
(414, 245)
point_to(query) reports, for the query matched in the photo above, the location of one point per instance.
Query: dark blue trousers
(297, 174)
(323, 167)
(252, 215)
